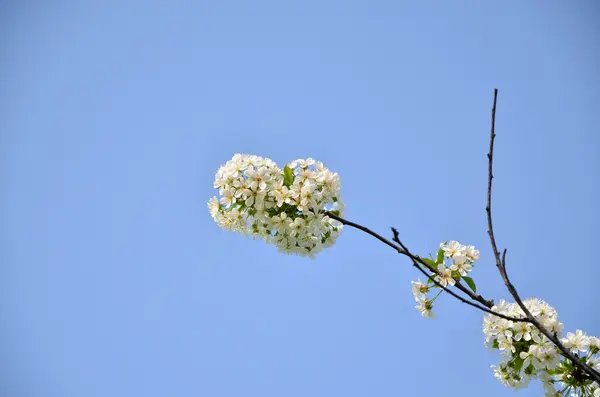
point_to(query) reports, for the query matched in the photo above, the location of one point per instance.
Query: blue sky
(116, 115)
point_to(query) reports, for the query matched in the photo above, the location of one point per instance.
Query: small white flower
(546, 355)
(305, 175)
(236, 219)
(295, 226)
(529, 359)
(553, 325)
(503, 375)
(575, 342)
(506, 345)
(471, 253)
(522, 331)
(242, 187)
(279, 222)
(302, 163)
(504, 327)
(444, 278)
(228, 198)
(213, 207)
(594, 344)
(330, 180)
(280, 193)
(258, 178)
(460, 264)
(425, 306)
(451, 248)
(418, 288)
(224, 178)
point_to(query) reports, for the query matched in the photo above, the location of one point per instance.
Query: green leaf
(430, 262)
(470, 283)
(518, 364)
(440, 256)
(288, 176)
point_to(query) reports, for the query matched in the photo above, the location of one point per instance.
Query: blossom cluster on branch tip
(528, 354)
(460, 259)
(286, 207)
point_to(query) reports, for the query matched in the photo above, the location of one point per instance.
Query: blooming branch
(299, 210)
(501, 265)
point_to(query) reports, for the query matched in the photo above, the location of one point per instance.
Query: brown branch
(366, 230)
(449, 291)
(490, 157)
(478, 298)
(465, 290)
(501, 263)
(486, 304)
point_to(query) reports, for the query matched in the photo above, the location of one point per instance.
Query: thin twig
(501, 263)
(366, 230)
(490, 157)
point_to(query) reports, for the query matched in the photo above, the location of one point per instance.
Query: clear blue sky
(115, 115)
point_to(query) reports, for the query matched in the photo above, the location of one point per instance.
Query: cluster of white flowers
(527, 353)
(285, 207)
(461, 256)
(461, 259)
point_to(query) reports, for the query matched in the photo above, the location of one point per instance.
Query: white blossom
(444, 278)
(257, 199)
(524, 331)
(594, 344)
(419, 289)
(425, 306)
(228, 198)
(451, 248)
(213, 207)
(461, 264)
(575, 342)
(529, 358)
(471, 253)
(539, 358)
(505, 375)
(505, 344)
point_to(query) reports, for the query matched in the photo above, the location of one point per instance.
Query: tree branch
(501, 263)
(366, 230)
(418, 260)
(449, 291)
(465, 290)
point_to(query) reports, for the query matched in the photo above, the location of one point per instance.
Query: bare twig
(501, 263)
(490, 157)
(366, 230)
